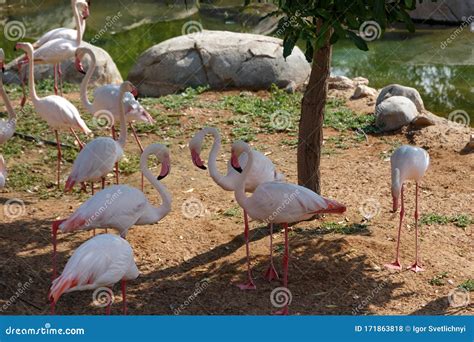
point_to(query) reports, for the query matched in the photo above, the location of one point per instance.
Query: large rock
(106, 71)
(219, 59)
(453, 11)
(394, 113)
(399, 90)
(364, 91)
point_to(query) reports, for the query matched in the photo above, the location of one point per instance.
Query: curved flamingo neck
(165, 206)
(220, 179)
(78, 21)
(6, 100)
(85, 82)
(239, 191)
(31, 74)
(123, 125)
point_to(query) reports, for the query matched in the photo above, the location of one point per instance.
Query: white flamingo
(278, 202)
(121, 206)
(99, 262)
(106, 101)
(262, 171)
(7, 127)
(57, 50)
(99, 156)
(407, 163)
(58, 112)
(3, 172)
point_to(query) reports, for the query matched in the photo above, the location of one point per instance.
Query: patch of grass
(182, 100)
(438, 280)
(343, 228)
(342, 119)
(233, 212)
(129, 164)
(24, 177)
(468, 285)
(459, 220)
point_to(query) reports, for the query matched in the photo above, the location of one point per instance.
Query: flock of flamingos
(106, 259)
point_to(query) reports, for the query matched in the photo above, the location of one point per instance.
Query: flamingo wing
(58, 33)
(55, 51)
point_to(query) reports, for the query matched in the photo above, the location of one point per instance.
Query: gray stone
(106, 71)
(422, 121)
(364, 91)
(453, 11)
(340, 83)
(360, 80)
(220, 60)
(394, 113)
(399, 90)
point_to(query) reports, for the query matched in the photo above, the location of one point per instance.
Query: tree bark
(310, 137)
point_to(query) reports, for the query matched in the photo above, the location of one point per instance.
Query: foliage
(438, 280)
(468, 285)
(459, 220)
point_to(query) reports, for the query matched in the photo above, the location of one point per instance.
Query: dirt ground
(330, 273)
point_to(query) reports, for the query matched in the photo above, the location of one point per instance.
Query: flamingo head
(77, 62)
(83, 8)
(195, 145)
(135, 112)
(238, 148)
(163, 156)
(2, 60)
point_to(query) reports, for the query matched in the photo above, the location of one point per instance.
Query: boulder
(340, 83)
(452, 11)
(399, 90)
(394, 113)
(360, 80)
(364, 91)
(106, 71)
(218, 59)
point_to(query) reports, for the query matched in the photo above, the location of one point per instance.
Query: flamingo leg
(103, 183)
(114, 136)
(60, 76)
(249, 285)
(79, 142)
(271, 272)
(92, 188)
(396, 264)
(55, 68)
(286, 257)
(416, 267)
(59, 156)
(124, 295)
(53, 307)
(22, 76)
(134, 132)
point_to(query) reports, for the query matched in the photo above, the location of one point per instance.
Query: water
(444, 76)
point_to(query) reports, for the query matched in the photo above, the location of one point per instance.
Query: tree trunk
(311, 122)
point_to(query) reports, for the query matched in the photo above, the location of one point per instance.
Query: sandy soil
(329, 273)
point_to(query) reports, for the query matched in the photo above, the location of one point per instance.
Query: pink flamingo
(59, 45)
(262, 171)
(99, 156)
(408, 163)
(7, 127)
(106, 101)
(3, 172)
(120, 206)
(278, 202)
(58, 112)
(99, 262)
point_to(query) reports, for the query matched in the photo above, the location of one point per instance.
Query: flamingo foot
(282, 312)
(416, 268)
(23, 101)
(249, 285)
(394, 266)
(271, 273)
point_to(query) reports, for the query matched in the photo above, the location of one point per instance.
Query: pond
(442, 72)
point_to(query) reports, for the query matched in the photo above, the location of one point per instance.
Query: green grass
(344, 228)
(24, 177)
(233, 212)
(468, 285)
(459, 220)
(438, 280)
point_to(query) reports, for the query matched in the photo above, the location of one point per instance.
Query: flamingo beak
(134, 93)
(197, 160)
(85, 13)
(78, 66)
(234, 161)
(165, 169)
(148, 116)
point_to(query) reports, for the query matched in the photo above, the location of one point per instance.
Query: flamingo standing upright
(79, 7)
(106, 100)
(121, 206)
(99, 156)
(7, 127)
(58, 112)
(60, 49)
(407, 163)
(262, 171)
(99, 262)
(3, 172)
(278, 202)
